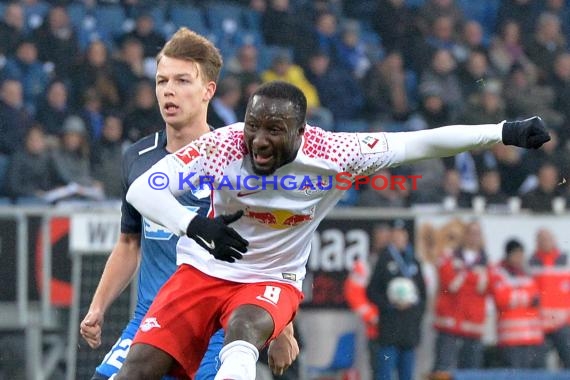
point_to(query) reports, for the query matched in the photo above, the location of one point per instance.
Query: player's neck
(177, 138)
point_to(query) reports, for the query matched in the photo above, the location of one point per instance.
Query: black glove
(214, 235)
(529, 133)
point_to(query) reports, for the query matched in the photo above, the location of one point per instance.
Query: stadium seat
(414, 3)
(482, 11)
(110, 18)
(77, 13)
(34, 14)
(225, 17)
(343, 358)
(191, 17)
(251, 20)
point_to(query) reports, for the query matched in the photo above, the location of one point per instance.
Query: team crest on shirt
(155, 231)
(372, 144)
(149, 324)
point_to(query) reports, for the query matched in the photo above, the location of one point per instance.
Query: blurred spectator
(432, 112)
(57, 41)
(472, 37)
(517, 299)
(144, 31)
(128, 69)
(326, 36)
(282, 68)
(92, 113)
(278, 17)
(107, 153)
(394, 22)
(327, 78)
(509, 164)
(430, 185)
(25, 67)
(486, 104)
(442, 35)
(352, 53)
(523, 12)
(560, 8)
(549, 267)
(490, 189)
(385, 88)
(401, 309)
(355, 291)
(560, 82)
(452, 195)
(71, 158)
(433, 9)
(95, 71)
(461, 304)
(387, 197)
(14, 119)
(222, 108)
(507, 48)
(249, 83)
(525, 97)
(475, 74)
(540, 199)
(30, 172)
(12, 28)
(245, 62)
(143, 116)
(54, 108)
(547, 43)
(550, 152)
(442, 72)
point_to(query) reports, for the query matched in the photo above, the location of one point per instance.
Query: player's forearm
(119, 270)
(444, 141)
(159, 205)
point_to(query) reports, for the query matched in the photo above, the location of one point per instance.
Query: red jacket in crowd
(516, 297)
(552, 275)
(461, 299)
(355, 295)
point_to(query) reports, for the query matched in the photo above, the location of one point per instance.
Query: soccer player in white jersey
(247, 278)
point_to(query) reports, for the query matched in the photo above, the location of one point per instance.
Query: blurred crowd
(77, 86)
(528, 287)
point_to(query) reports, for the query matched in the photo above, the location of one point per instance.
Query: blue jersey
(158, 245)
(158, 255)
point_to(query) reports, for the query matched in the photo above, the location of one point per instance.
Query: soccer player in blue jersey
(187, 69)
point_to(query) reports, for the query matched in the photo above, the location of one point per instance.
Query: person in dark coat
(401, 307)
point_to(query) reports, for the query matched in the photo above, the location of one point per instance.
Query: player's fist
(214, 235)
(529, 133)
(90, 328)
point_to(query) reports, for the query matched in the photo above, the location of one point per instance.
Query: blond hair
(190, 46)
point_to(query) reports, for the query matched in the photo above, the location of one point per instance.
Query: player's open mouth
(262, 160)
(170, 108)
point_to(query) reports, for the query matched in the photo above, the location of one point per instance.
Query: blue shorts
(113, 361)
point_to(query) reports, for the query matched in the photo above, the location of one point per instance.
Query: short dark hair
(285, 91)
(511, 246)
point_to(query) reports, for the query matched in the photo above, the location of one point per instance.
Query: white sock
(238, 361)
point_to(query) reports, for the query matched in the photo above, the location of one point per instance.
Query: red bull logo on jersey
(280, 219)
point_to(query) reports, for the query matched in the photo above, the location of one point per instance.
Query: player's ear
(210, 91)
(301, 129)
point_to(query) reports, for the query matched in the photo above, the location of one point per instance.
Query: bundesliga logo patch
(372, 144)
(149, 324)
(187, 154)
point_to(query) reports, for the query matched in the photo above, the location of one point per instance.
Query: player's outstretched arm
(160, 205)
(119, 270)
(283, 351)
(451, 140)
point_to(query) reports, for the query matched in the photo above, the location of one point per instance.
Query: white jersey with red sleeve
(282, 210)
